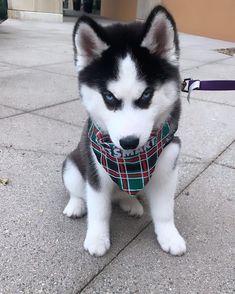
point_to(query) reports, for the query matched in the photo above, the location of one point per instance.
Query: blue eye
(146, 95)
(109, 97)
(145, 99)
(111, 101)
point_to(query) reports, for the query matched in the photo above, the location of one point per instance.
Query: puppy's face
(128, 75)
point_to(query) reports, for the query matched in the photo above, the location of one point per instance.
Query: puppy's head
(128, 75)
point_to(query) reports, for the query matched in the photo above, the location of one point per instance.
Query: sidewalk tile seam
(206, 167)
(24, 150)
(13, 115)
(33, 66)
(57, 63)
(206, 101)
(53, 72)
(118, 253)
(25, 111)
(49, 64)
(57, 120)
(224, 165)
(203, 64)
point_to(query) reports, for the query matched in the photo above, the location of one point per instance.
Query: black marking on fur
(83, 159)
(145, 99)
(124, 39)
(111, 101)
(176, 140)
(176, 111)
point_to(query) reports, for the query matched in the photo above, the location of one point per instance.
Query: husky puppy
(129, 83)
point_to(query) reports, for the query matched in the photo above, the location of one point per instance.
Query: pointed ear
(88, 40)
(160, 35)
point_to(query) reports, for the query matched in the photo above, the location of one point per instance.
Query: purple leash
(189, 85)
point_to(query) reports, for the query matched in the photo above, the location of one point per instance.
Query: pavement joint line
(13, 115)
(52, 72)
(149, 223)
(58, 120)
(208, 101)
(57, 63)
(233, 57)
(49, 64)
(18, 67)
(192, 156)
(203, 64)
(205, 168)
(31, 150)
(25, 111)
(112, 259)
(224, 165)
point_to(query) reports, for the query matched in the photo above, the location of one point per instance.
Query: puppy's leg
(129, 204)
(74, 184)
(97, 240)
(132, 206)
(160, 192)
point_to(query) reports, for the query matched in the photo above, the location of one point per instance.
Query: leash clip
(188, 85)
(185, 85)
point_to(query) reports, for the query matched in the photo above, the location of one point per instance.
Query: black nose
(130, 142)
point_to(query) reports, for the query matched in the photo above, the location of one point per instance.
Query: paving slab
(35, 133)
(215, 71)
(35, 88)
(43, 41)
(228, 157)
(201, 54)
(189, 169)
(206, 129)
(6, 111)
(191, 41)
(229, 61)
(71, 112)
(186, 64)
(205, 217)
(32, 57)
(32, 34)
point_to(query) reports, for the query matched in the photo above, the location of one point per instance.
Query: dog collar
(131, 170)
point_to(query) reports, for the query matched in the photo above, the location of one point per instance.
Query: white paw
(96, 245)
(171, 241)
(75, 208)
(132, 206)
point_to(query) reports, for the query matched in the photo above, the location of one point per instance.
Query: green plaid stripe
(131, 170)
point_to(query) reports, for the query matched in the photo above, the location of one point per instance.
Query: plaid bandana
(130, 169)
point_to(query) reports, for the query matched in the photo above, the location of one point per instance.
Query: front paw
(96, 245)
(132, 206)
(75, 208)
(171, 241)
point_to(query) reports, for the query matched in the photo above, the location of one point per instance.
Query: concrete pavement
(41, 118)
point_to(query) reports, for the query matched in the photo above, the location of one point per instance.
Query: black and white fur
(129, 84)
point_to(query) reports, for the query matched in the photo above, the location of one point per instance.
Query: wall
(47, 10)
(144, 7)
(124, 10)
(211, 18)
